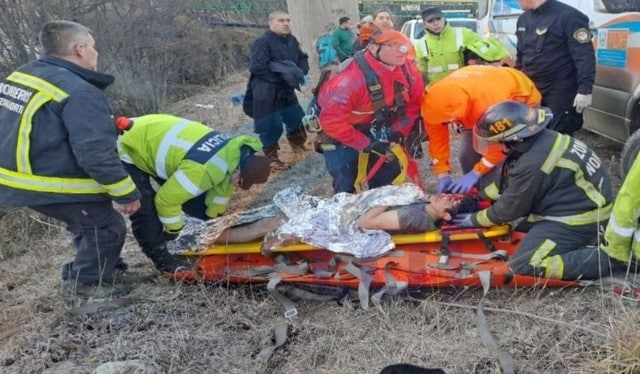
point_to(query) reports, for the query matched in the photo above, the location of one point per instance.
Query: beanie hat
(254, 168)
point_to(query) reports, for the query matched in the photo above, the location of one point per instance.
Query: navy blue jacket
(70, 136)
(271, 47)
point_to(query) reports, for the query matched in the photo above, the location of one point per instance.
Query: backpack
(326, 54)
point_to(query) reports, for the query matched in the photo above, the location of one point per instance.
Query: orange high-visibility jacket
(461, 97)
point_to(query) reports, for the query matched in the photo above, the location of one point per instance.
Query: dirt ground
(164, 327)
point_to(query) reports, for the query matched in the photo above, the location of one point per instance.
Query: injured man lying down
(358, 224)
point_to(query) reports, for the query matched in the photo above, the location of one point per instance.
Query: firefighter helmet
(508, 122)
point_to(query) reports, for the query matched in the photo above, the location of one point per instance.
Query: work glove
(463, 220)
(395, 137)
(379, 148)
(465, 183)
(443, 183)
(237, 99)
(581, 101)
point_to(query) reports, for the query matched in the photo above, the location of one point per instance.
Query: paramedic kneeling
(555, 181)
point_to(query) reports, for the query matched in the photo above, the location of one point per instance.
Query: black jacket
(554, 45)
(271, 47)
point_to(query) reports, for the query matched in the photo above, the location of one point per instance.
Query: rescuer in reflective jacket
(460, 98)
(622, 238)
(198, 170)
(555, 181)
(57, 154)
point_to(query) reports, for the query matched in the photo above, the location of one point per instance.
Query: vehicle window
(418, 31)
(470, 24)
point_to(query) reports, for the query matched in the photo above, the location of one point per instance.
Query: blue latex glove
(443, 183)
(465, 183)
(305, 80)
(237, 99)
(463, 220)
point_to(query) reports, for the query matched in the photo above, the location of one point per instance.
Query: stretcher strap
(506, 361)
(497, 254)
(289, 307)
(280, 338)
(363, 285)
(392, 285)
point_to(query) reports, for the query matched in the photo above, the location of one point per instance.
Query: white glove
(581, 101)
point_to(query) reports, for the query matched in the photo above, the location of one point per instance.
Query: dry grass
(221, 328)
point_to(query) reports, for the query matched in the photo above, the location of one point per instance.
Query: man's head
(443, 206)
(507, 124)
(382, 20)
(279, 23)
(254, 168)
(433, 20)
(530, 4)
(70, 41)
(389, 47)
(344, 22)
(486, 51)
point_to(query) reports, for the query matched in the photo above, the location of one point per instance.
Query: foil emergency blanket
(329, 223)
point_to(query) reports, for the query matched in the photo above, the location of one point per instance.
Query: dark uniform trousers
(274, 105)
(145, 224)
(560, 243)
(98, 231)
(559, 98)
(342, 165)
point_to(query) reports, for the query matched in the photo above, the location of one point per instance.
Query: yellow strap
(363, 160)
(397, 151)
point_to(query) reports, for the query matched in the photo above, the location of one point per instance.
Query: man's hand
(443, 183)
(581, 101)
(465, 183)
(128, 208)
(463, 220)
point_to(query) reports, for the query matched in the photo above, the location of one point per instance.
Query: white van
(615, 111)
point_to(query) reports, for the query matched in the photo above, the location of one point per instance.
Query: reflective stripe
(170, 220)
(559, 148)
(452, 67)
(23, 144)
(219, 163)
(45, 92)
(554, 267)
(458, 38)
(492, 192)
(483, 218)
(486, 163)
(541, 253)
(50, 184)
(585, 218)
(121, 188)
(126, 158)
(38, 84)
(435, 69)
(581, 182)
(183, 144)
(165, 145)
(625, 232)
(220, 200)
(187, 184)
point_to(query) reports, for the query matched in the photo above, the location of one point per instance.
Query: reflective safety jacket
(623, 230)
(58, 141)
(439, 55)
(346, 102)
(557, 179)
(462, 97)
(192, 158)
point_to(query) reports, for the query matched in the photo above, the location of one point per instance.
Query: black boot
(165, 261)
(297, 140)
(271, 153)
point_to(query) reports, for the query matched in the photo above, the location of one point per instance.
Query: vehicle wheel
(629, 153)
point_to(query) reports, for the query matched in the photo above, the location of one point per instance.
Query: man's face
(443, 203)
(346, 25)
(280, 25)
(530, 4)
(88, 54)
(390, 53)
(434, 25)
